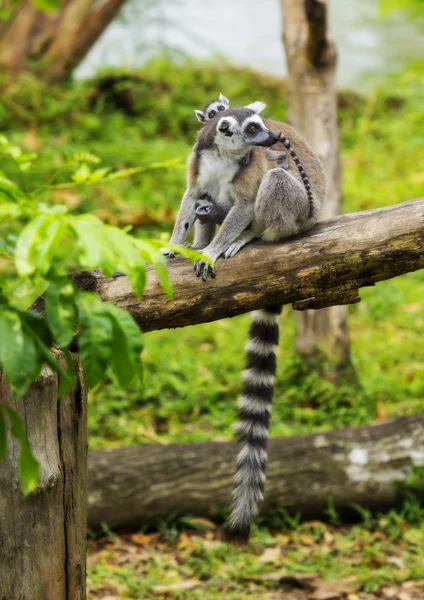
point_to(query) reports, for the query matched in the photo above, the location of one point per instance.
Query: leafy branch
(43, 242)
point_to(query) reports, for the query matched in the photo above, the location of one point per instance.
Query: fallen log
(364, 465)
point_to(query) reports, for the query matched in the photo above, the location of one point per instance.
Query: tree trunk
(366, 465)
(43, 535)
(53, 44)
(312, 109)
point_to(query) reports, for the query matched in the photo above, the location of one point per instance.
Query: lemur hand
(203, 268)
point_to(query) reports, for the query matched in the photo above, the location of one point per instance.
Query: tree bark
(312, 109)
(322, 267)
(367, 466)
(43, 535)
(53, 44)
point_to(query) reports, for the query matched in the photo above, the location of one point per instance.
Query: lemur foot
(239, 243)
(167, 252)
(203, 268)
(233, 249)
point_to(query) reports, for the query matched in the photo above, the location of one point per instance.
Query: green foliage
(415, 8)
(161, 96)
(46, 5)
(29, 467)
(48, 241)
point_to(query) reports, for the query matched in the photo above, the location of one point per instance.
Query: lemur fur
(259, 200)
(207, 211)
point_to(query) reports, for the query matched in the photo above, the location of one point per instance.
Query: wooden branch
(364, 465)
(322, 267)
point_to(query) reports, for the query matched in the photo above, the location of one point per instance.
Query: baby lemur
(230, 165)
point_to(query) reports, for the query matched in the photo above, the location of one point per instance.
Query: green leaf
(96, 246)
(37, 244)
(9, 210)
(66, 378)
(158, 262)
(61, 311)
(126, 346)
(29, 467)
(46, 5)
(3, 435)
(67, 383)
(18, 352)
(9, 190)
(129, 258)
(81, 174)
(37, 327)
(95, 336)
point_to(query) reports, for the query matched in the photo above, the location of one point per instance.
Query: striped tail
(302, 173)
(252, 427)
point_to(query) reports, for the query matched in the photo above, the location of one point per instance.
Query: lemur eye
(212, 114)
(252, 128)
(220, 107)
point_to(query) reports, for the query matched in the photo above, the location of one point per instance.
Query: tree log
(43, 535)
(322, 267)
(364, 465)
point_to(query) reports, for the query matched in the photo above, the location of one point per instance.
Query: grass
(192, 375)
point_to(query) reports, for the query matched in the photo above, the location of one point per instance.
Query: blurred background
(249, 34)
(127, 96)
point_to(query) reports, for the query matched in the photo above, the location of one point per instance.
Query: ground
(379, 558)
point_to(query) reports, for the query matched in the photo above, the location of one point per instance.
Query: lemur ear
(224, 100)
(200, 115)
(257, 107)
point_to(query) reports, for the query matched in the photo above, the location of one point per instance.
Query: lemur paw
(167, 252)
(203, 268)
(233, 249)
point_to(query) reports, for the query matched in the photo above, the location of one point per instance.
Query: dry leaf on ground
(188, 584)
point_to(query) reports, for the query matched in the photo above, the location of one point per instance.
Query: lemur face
(212, 109)
(240, 128)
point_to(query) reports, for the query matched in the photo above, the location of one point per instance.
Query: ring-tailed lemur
(230, 165)
(206, 209)
(212, 109)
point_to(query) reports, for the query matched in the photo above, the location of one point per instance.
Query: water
(248, 32)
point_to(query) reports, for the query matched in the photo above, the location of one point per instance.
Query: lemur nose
(272, 138)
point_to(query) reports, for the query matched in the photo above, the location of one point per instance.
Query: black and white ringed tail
(302, 173)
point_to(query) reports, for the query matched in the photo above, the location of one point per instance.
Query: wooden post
(312, 109)
(43, 535)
